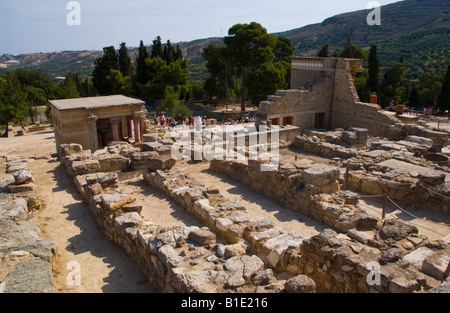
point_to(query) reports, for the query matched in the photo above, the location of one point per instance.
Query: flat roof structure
(94, 102)
(96, 121)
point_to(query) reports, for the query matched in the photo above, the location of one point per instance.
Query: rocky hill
(417, 30)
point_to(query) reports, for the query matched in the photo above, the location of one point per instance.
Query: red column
(137, 129)
(130, 128)
(115, 129)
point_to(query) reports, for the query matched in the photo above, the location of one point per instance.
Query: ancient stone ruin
(236, 252)
(329, 168)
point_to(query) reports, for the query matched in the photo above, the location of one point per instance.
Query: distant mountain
(417, 30)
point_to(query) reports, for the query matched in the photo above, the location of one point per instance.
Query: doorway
(320, 121)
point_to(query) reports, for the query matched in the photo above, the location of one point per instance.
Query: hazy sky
(41, 25)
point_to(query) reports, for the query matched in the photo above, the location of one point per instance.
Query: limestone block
(22, 188)
(85, 167)
(31, 276)
(263, 278)
(202, 237)
(403, 285)
(202, 208)
(112, 162)
(300, 284)
(320, 174)
(15, 209)
(397, 230)
(13, 167)
(267, 234)
(126, 220)
(113, 202)
(426, 142)
(70, 149)
(223, 224)
(23, 176)
(234, 250)
(107, 179)
(415, 258)
(169, 256)
(199, 281)
(437, 264)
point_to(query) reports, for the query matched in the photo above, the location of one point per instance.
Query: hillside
(417, 30)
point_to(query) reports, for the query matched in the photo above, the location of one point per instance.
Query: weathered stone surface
(69, 149)
(391, 255)
(152, 161)
(263, 278)
(200, 281)
(234, 250)
(106, 179)
(169, 256)
(23, 176)
(300, 284)
(85, 167)
(243, 269)
(202, 237)
(403, 285)
(15, 209)
(44, 249)
(397, 230)
(415, 258)
(437, 264)
(30, 276)
(126, 220)
(113, 162)
(113, 202)
(320, 174)
(427, 142)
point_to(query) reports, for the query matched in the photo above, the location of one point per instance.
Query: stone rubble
(238, 252)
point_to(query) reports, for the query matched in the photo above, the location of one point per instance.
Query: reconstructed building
(323, 96)
(95, 122)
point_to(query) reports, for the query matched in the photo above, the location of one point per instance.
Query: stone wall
(340, 260)
(237, 252)
(25, 258)
(330, 90)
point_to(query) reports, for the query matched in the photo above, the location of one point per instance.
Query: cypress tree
(323, 53)
(373, 81)
(141, 67)
(124, 60)
(157, 50)
(444, 97)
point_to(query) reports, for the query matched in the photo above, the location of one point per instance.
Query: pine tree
(13, 100)
(124, 60)
(373, 81)
(444, 97)
(102, 70)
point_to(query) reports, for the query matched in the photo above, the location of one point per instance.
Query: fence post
(383, 214)
(346, 179)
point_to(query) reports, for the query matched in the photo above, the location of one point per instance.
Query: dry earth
(65, 219)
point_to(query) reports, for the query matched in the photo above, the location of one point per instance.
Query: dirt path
(65, 219)
(255, 204)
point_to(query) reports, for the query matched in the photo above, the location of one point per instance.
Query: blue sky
(28, 26)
